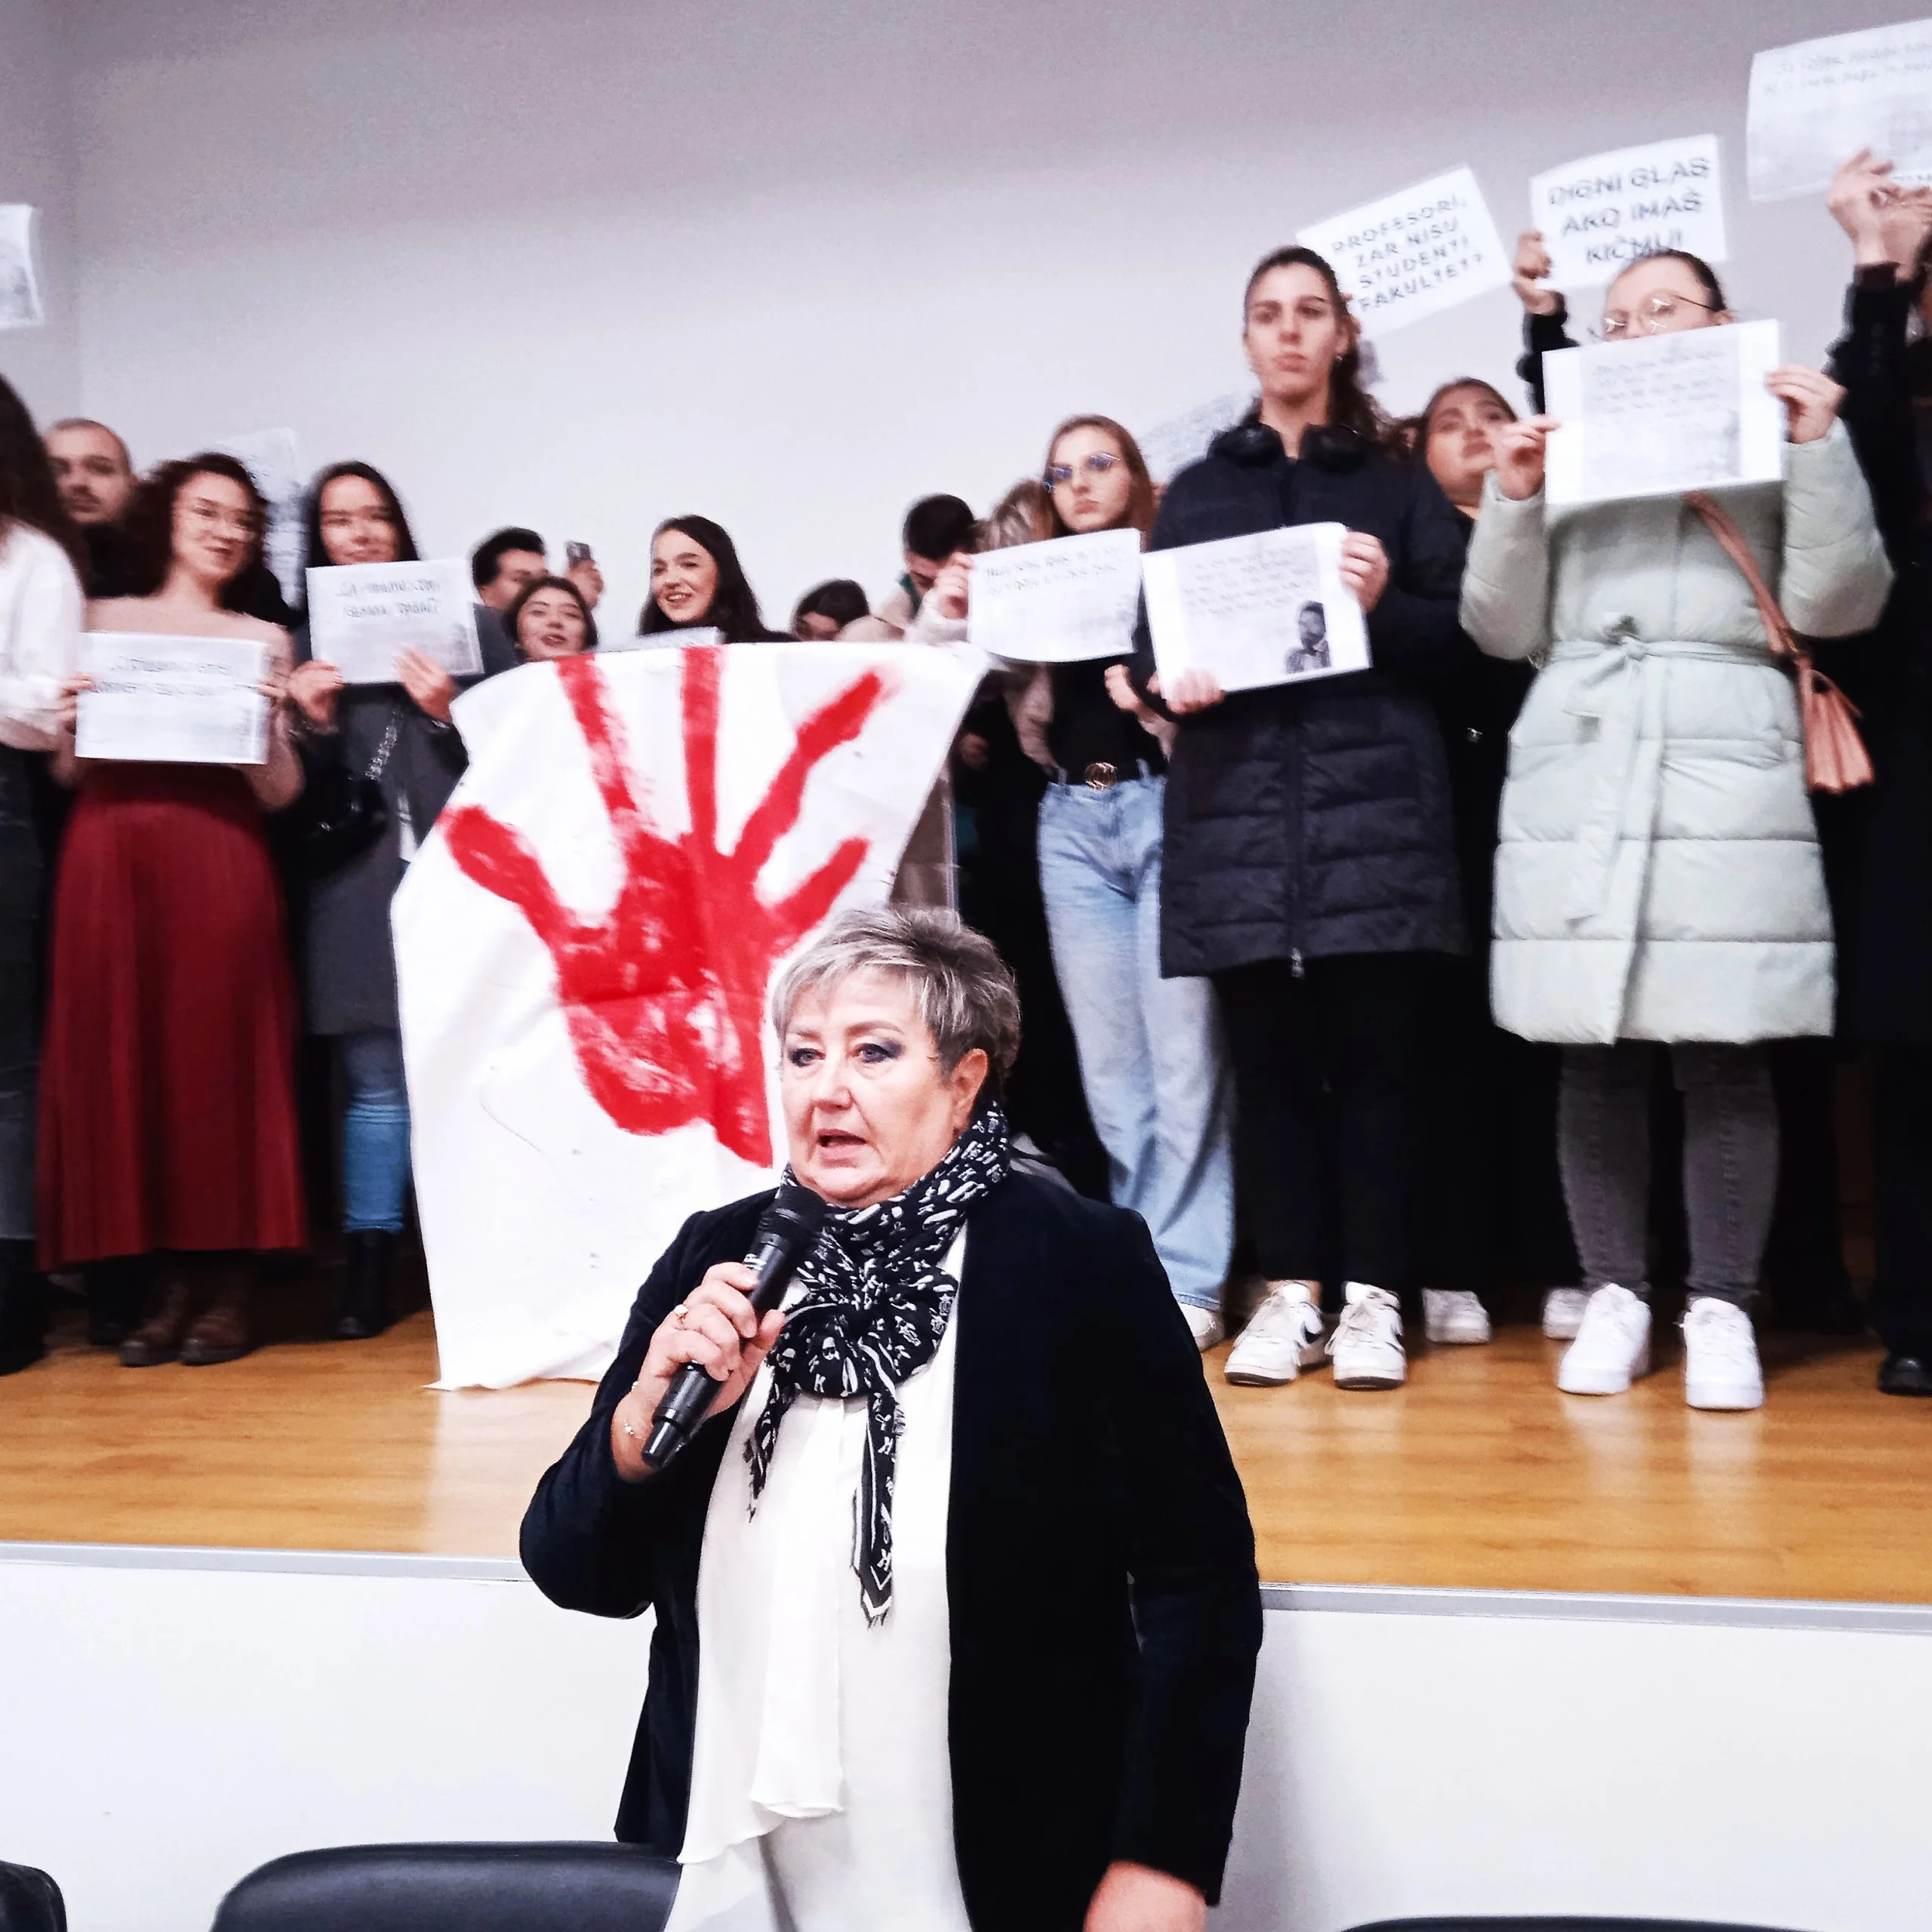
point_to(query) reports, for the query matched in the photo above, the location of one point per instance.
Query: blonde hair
(964, 990)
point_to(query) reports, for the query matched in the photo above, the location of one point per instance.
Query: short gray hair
(963, 989)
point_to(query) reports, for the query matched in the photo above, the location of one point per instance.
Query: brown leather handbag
(1835, 759)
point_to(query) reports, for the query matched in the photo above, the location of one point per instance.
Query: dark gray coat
(1306, 821)
(348, 955)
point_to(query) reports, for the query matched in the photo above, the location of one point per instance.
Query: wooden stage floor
(1478, 1475)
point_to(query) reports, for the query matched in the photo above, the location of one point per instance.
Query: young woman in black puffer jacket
(1308, 860)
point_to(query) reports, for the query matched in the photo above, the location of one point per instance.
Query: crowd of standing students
(1356, 972)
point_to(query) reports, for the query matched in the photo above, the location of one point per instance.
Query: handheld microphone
(786, 1233)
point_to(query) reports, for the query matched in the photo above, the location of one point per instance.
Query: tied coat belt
(1658, 875)
(1620, 778)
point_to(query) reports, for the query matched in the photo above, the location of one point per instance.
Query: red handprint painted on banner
(664, 995)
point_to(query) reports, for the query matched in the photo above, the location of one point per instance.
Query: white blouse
(40, 636)
(821, 1785)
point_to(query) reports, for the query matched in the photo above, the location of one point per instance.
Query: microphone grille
(797, 1213)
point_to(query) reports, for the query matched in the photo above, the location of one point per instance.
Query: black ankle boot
(364, 1307)
(23, 1318)
(117, 1293)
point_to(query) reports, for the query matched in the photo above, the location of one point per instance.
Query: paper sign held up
(1664, 414)
(1599, 215)
(1817, 103)
(172, 700)
(1058, 602)
(19, 288)
(361, 616)
(1415, 253)
(1268, 609)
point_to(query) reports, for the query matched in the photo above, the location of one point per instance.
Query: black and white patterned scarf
(875, 1307)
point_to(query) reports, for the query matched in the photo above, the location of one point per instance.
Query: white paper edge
(1089, 538)
(471, 663)
(1165, 610)
(1718, 256)
(89, 644)
(1761, 439)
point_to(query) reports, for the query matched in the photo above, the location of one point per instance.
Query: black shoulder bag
(345, 812)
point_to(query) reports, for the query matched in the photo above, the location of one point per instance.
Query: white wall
(166, 1730)
(37, 167)
(589, 264)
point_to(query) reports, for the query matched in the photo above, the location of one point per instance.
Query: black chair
(1483, 1922)
(30, 1901)
(455, 1888)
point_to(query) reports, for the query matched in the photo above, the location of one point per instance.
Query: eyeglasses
(1653, 318)
(1097, 464)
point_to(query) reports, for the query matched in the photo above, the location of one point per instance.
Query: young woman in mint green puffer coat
(1659, 881)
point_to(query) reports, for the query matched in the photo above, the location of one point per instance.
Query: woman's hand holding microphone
(714, 1326)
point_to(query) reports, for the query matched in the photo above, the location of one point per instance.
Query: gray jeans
(1730, 1160)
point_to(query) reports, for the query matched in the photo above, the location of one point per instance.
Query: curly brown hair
(151, 520)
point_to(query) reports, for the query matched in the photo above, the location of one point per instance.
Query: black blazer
(1104, 1605)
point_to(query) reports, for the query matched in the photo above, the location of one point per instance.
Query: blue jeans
(1151, 1057)
(375, 1130)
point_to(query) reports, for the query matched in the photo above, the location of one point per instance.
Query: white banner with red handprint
(584, 945)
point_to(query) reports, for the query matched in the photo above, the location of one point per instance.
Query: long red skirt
(167, 1073)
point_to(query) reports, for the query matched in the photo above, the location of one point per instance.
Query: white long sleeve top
(40, 636)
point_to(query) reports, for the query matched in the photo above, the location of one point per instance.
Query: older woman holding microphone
(977, 1637)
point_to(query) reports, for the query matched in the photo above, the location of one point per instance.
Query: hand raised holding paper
(1193, 690)
(1364, 568)
(431, 688)
(1811, 400)
(1527, 272)
(1886, 223)
(312, 690)
(950, 590)
(68, 709)
(1522, 451)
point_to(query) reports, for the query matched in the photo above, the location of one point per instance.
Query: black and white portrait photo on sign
(1309, 651)
(1255, 611)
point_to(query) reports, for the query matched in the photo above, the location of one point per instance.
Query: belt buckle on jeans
(1100, 776)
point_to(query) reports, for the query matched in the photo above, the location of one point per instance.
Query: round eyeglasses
(1097, 463)
(1653, 317)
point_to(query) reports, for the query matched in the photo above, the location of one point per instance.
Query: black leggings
(1328, 1087)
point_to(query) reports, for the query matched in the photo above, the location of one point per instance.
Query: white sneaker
(1613, 1345)
(1205, 1325)
(1367, 1345)
(1453, 1315)
(1721, 1366)
(1283, 1337)
(1563, 1312)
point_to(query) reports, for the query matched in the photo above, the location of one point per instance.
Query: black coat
(1477, 702)
(1308, 820)
(1878, 840)
(1104, 1611)
(348, 956)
